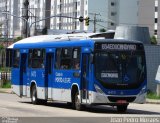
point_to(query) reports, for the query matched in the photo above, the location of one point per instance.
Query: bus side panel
(28, 82)
(23, 73)
(37, 76)
(16, 81)
(49, 72)
(63, 81)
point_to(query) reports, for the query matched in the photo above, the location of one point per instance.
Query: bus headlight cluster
(143, 90)
(98, 89)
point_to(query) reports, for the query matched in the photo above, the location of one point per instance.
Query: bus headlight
(143, 90)
(98, 89)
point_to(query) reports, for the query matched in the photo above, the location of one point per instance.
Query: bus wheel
(34, 96)
(69, 104)
(43, 102)
(122, 108)
(77, 102)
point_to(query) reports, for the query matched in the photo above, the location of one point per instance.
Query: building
(68, 8)
(105, 14)
(38, 10)
(75, 9)
(35, 10)
(135, 12)
(122, 12)
(10, 24)
(5, 5)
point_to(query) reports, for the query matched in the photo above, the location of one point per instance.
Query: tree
(153, 40)
(1, 29)
(0, 34)
(17, 39)
(2, 54)
(1, 47)
(44, 31)
(102, 30)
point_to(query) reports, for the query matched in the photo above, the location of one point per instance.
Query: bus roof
(49, 40)
(60, 41)
(62, 37)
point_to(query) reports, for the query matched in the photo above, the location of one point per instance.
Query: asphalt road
(12, 107)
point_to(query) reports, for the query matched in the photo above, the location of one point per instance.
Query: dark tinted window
(76, 58)
(36, 58)
(58, 58)
(67, 58)
(120, 68)
(16, 58)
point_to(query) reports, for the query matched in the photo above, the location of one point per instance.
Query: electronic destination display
(118, 46)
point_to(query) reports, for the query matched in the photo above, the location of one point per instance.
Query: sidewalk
(9, 90)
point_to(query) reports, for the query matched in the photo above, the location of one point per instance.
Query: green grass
(7, 84)
(152, 95)
(5, 69)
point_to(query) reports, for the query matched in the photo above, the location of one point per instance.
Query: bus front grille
(115, 99)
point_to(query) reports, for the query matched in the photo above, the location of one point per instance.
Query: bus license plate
(121, 101)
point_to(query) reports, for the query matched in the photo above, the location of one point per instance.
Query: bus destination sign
(112, 46)
(118, 47)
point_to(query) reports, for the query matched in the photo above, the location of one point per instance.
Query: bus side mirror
(91, 58)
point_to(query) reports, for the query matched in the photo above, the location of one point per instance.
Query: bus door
(23, 73)
(85, 77)
(49, 73)
(36, 71)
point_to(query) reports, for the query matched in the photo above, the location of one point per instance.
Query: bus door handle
(76, 74)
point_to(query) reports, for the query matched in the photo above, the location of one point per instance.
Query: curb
(152, 101)
(3, 90)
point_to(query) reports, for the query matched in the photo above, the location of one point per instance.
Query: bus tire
(122, 108)
(77, 102)
(69, 104)
(43, 102)
(34, 98)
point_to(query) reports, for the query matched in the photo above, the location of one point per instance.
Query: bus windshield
(120, 67)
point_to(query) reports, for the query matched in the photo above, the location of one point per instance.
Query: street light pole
(20, 18)
(25, 15)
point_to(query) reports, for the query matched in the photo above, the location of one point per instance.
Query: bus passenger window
(63, 58)
(37, 58)
(16, 59)
(66, 58)
(58, 57)
(76, 58)
(77, 66)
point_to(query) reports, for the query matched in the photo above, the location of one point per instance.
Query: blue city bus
(79, 71)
